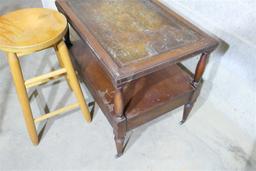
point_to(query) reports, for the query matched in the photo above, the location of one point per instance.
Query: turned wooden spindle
(118, 103)
(121, 129)
(196, 83)
(201, 67)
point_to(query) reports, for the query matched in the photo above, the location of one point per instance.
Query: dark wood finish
(134, 91)
(144, 99)
(196, 83)
(201, 67)
(119, 102)
(67, 39)
(119, 134)
(121, 74)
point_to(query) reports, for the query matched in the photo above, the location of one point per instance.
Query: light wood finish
(63, 51)
(22, 95)
(30, 30)
(58, 56)
(56, 112)
(61, 63)
(45, 78)
(26, 31)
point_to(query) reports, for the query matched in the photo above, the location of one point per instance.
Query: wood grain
(121, 74)
(29, 30)
(167, 88)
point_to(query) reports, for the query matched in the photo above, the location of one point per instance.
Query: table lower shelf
(145, 98)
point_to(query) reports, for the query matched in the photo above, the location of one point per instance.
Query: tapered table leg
(120, 131)
(196, 83)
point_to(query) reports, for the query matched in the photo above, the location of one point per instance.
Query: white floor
(208, 141)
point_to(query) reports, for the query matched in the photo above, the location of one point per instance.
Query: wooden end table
(129, 55)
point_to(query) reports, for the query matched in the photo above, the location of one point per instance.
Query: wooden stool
(29, 30)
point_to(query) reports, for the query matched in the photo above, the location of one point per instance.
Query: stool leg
(58, 56)
(22, 95)
(61, 64)
(63, 51)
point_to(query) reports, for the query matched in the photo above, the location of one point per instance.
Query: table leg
(196, 83)
(119, 102)
(120, 133)
(120, 130)
(67, 39)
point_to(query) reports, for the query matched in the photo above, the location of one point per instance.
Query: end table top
(136, 37)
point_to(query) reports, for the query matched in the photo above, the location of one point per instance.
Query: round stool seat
(31, 29)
